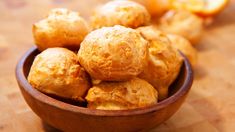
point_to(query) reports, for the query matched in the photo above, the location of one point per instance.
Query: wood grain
(210, 106)
(69, 118)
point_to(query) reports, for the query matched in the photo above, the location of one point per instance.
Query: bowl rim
(22, 81)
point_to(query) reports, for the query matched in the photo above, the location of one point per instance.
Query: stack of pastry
(120, 61)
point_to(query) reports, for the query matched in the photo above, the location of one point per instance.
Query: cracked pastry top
(164, 61)
(56, 71)
(131, 94)
(120, 12)
(61, 28)
(113, 53)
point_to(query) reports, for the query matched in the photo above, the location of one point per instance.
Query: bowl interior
(178, 88)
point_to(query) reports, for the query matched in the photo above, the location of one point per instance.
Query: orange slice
(213, 7)
(205, 8)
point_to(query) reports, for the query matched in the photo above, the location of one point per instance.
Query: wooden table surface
(210, 106)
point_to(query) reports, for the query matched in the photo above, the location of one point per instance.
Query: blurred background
(209, 107)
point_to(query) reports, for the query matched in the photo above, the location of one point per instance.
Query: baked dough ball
(155, 7)
(131, 94)
(164, 61)
(183, 23)
(185, 47)
(113, 53)
(61, 28)
(120, 12)
(56, 71)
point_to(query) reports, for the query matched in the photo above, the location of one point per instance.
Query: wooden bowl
(68, 117)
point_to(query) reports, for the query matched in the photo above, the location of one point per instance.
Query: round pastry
(131, 94)
(61, 28)
(56, 71)
(164, 61)
(113, 53)
(182, 23)
(155, 7)
(120, 12)
(185, 47)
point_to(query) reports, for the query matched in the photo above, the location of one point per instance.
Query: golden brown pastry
(56, 71)
(61, 28)
(154, 7)
(120, 12)
(185, 47)
(183, 23)
(131, 94)
(164, 61)
(113, 53)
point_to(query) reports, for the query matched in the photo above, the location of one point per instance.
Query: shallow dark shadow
(49, 128)
(199, 72)
(205, 44)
